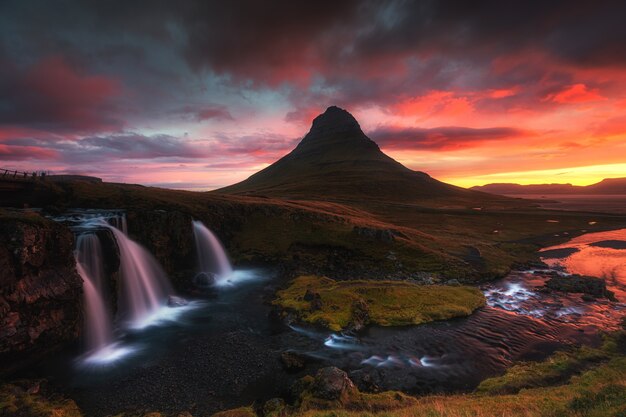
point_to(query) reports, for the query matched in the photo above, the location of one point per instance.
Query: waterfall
(119, 221)
(211, 256)
(144, 286)
(98, 333)
(89, 255)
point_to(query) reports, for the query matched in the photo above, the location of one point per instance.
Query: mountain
(605, 187)
(336, 160)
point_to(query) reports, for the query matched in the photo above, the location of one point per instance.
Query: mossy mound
(338, 305)
(32, 399)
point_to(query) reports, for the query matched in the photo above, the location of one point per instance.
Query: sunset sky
(198, 95)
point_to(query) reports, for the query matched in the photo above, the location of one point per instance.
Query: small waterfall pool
(223, 349)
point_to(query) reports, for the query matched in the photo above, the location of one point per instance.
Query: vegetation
(583, 382)
(440, 238)
(31, 399)
(340, 304)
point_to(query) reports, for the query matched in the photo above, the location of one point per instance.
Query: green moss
(557, 369)
(24, 398)
(236, 412)
(385, 303)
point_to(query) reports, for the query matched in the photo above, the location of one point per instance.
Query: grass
(581, 382)
(26, 399)
(385, 303)
(443, 238)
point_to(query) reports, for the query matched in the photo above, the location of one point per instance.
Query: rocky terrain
(40, 290)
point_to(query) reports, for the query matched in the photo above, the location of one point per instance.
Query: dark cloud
(203, 113)
(440, 138)
(52, 95)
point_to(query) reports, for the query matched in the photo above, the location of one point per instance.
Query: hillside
(608, 186)
(336, 160)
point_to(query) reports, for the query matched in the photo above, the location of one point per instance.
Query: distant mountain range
(605, 187)
(337, 161)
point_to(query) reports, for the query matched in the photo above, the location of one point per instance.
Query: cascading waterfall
(144, 286)
(89, 255)
(119, 222)
(98, 332)
(212, 258)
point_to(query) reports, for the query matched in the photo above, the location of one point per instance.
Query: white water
(89, 255)
(119, 222)
(144, 286)
(212, 258)
(98, 332)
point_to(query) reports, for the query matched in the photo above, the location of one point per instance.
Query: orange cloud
(576, 93)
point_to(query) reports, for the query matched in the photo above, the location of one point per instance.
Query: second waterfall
(212, 258)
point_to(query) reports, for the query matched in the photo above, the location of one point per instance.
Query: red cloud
(20, 153)
(52, 95)
(577, 93)
(444, 138)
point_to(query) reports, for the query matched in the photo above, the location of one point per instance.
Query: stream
(222, 350)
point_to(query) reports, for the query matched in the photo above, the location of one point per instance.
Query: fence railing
(14, 174)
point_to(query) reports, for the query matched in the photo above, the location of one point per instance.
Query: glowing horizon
(157, 101)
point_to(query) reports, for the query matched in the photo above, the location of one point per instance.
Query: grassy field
(442, 238)
(385, 303)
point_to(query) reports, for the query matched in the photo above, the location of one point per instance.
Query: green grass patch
(385, 303)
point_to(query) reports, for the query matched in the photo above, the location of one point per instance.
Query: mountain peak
(334, 120)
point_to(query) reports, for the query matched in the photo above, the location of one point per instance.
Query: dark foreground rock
(591, 287)
(332, 384)
(40, 290)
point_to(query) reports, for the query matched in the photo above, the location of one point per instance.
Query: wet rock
(292, 361)
(314, 298)
(310, 295)
(332, 384)
(588, 298)
(453, 282)
(40, 290)
(174, 301)
(591, 286)
(204, 279)
(360, 315)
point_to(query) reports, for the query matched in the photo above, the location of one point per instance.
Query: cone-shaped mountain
(337, 160)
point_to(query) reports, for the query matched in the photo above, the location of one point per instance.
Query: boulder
(360, 315)
(174, 301)
(591, 286)
(332, 383)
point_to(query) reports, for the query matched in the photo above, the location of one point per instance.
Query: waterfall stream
(212, 258)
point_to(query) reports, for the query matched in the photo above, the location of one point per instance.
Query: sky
(200, 94)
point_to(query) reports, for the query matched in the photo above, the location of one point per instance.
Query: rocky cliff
(40, 290)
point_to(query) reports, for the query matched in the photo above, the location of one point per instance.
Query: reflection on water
(223, 351)
(599, 254)
(522, 321)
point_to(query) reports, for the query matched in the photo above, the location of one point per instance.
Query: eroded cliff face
(40, 290)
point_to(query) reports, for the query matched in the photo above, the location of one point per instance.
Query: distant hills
(336, 160)
(605, 187)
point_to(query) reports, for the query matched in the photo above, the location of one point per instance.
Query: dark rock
(316, 304)
(332, 384)
(40, 290)
(310, 295)
(204, 279)
(360, 315)
(314, 298)
(292, 361)
(591, 286)
(588, 298)
(174, 301)
(453, 282)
